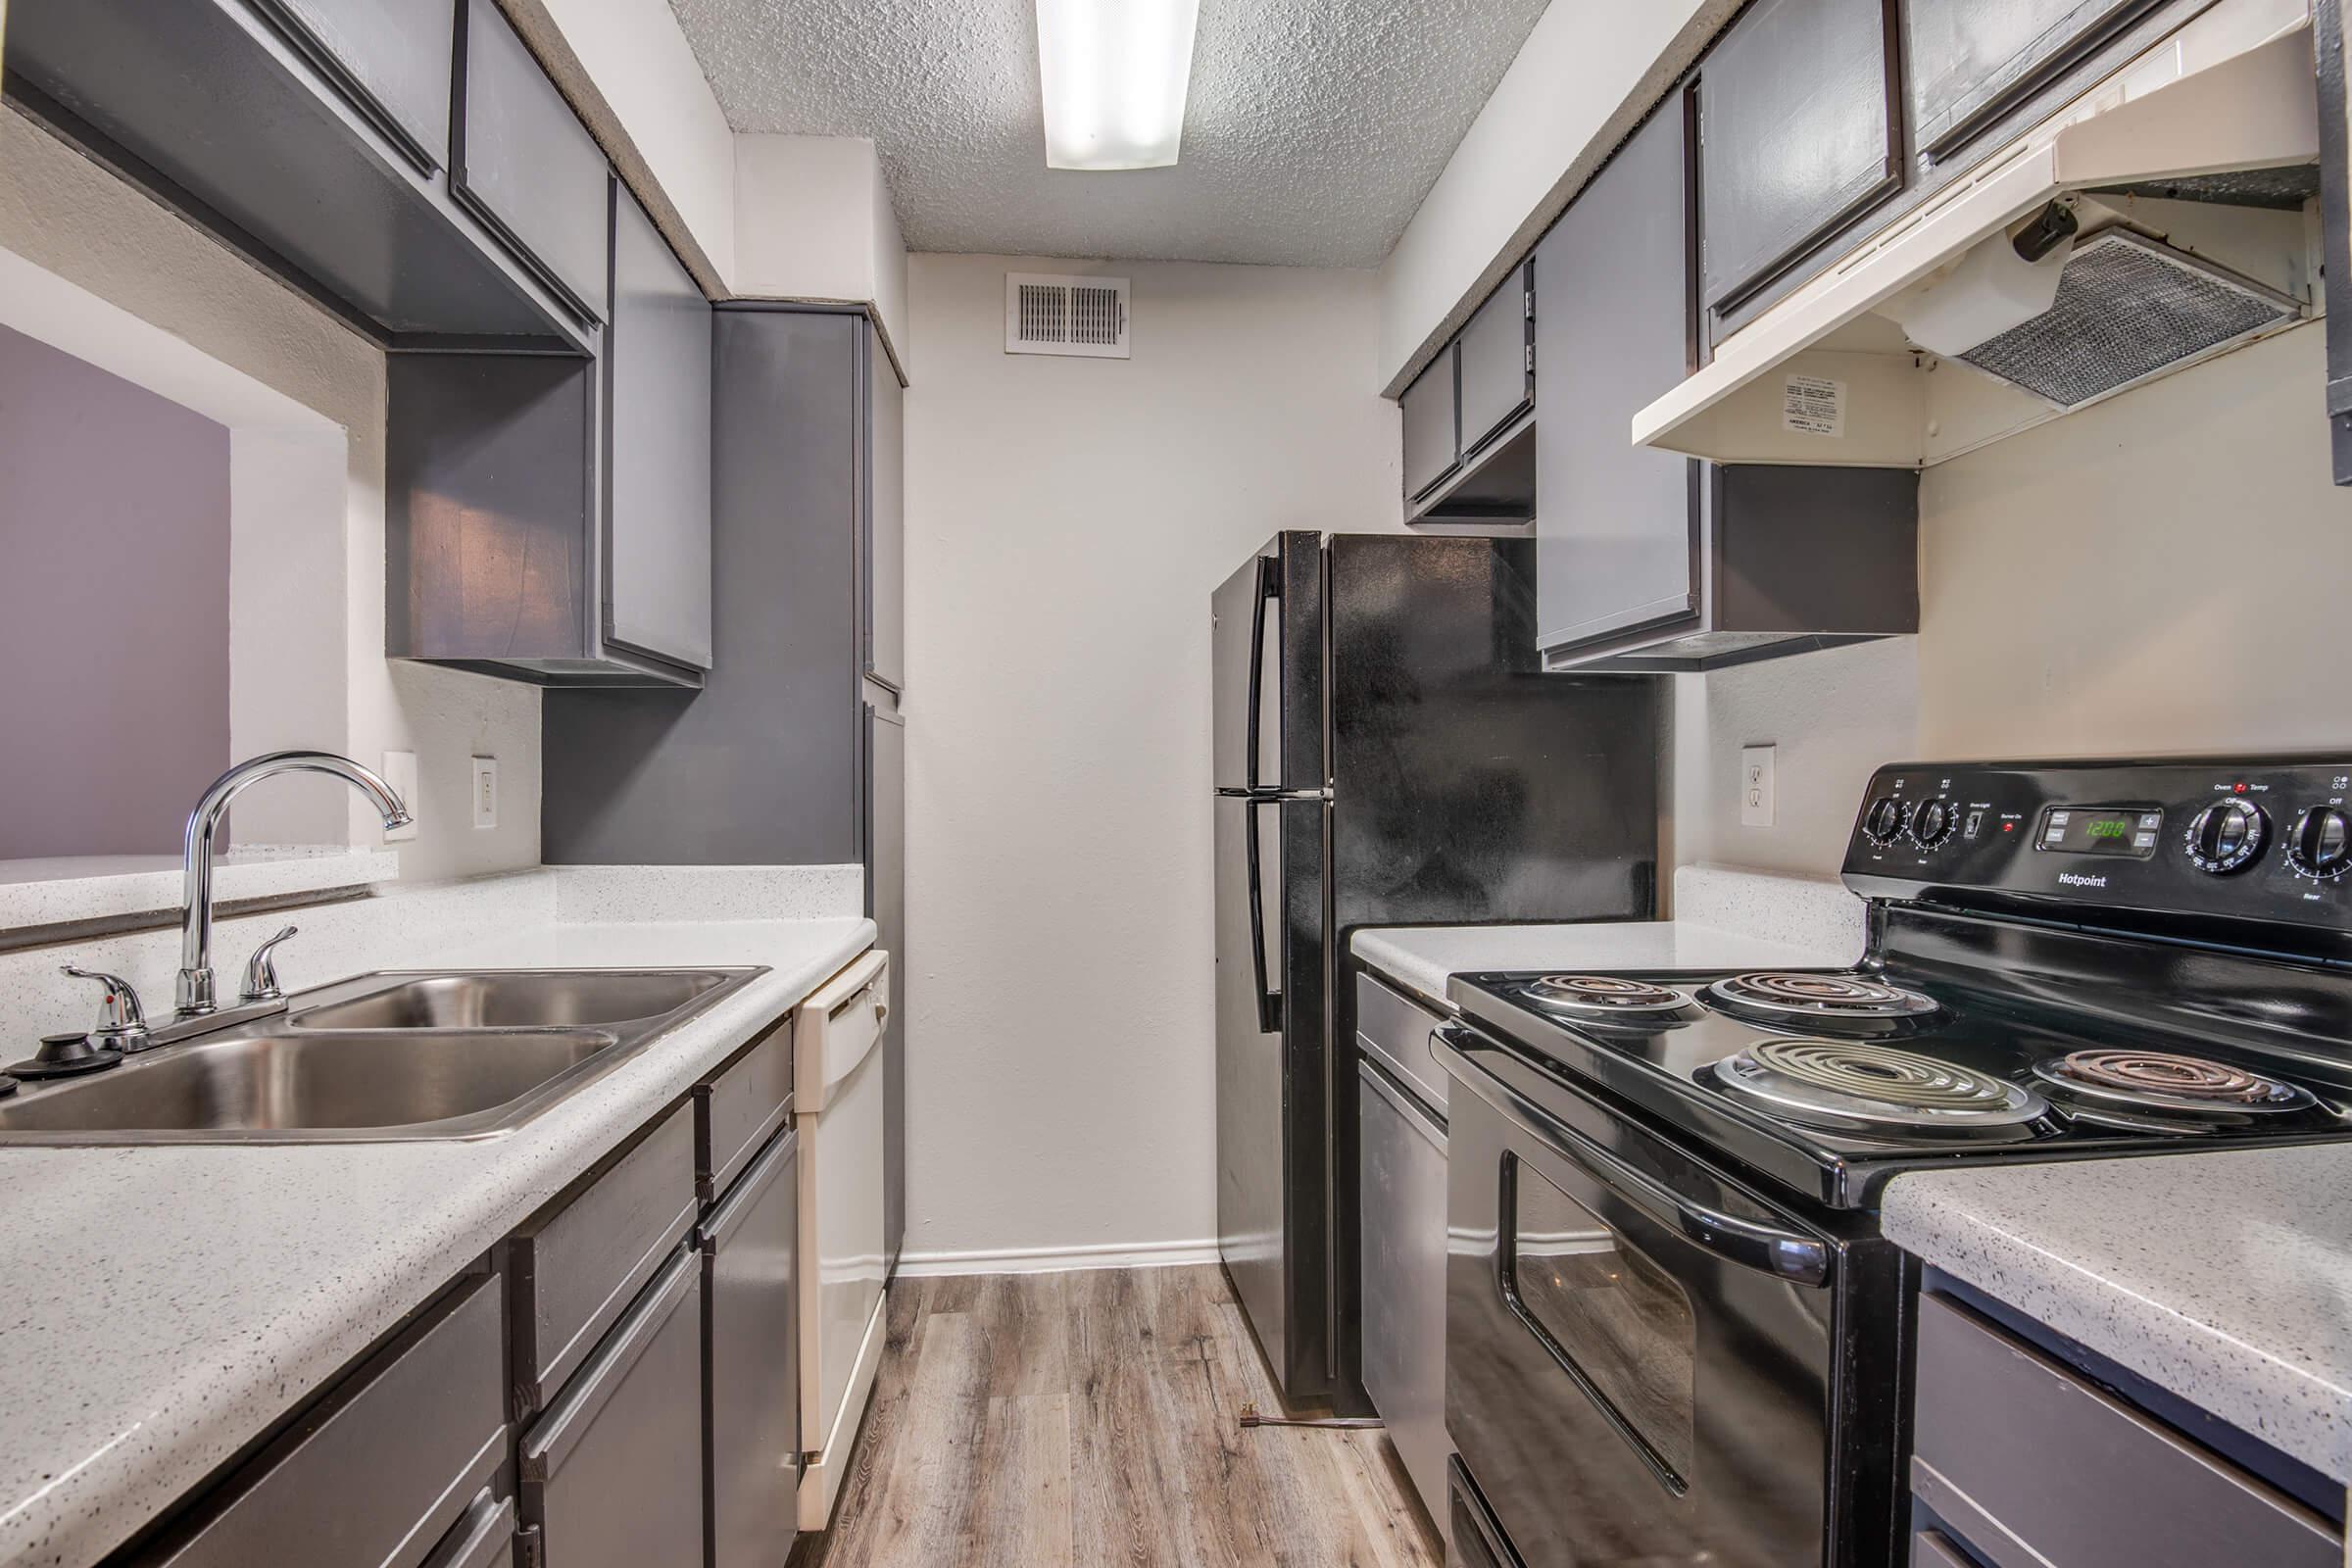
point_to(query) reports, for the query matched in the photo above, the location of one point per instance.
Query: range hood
(2165, 216)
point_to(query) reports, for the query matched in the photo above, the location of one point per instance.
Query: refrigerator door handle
(1270, 1001)
(1269, 590)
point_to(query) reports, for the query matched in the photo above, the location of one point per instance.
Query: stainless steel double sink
(392, 1056)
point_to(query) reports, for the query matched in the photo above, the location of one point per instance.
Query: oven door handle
(1750, 1244)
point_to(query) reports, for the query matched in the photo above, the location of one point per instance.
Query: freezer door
(1266, 655)
(1272, 1203)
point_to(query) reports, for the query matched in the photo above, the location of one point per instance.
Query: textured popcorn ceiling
(1313, 130)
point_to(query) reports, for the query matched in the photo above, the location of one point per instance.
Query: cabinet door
(1432, 433)
(1969, 59)
(1613, 523)
(753, 1395)
(1799, 134)
(611, 1475)
(884, 550)
(886, 905)
(525, 164)
(657, 594)
(1499, 374)
(390, 57)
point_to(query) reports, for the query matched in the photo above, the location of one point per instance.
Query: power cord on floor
(1252, 1418)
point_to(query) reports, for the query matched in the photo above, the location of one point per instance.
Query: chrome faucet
(193, 995)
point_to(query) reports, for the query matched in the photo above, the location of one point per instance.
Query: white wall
(815, 221)
(61, 213)
(2161, 574)
(1586, 76)
(1066, 521)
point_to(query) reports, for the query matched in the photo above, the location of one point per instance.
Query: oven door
(1638, 1352)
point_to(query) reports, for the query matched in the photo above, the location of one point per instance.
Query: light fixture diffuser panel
(1115, 75)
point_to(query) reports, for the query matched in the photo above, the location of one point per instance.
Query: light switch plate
(485, 792)
(400, 771)
(1755, 786)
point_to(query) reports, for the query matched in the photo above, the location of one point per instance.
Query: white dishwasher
(837, 1101)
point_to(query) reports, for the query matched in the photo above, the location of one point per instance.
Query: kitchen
(937, 856)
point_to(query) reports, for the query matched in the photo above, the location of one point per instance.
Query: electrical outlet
(1755, 786)
(485, 792)
(400, 771)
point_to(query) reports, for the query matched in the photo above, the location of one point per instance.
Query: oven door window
(1616, 1323)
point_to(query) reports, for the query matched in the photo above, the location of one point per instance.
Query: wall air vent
(1082, 316)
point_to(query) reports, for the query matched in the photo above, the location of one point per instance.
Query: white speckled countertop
(161, 1307)
(1725, 919)
(71, 888)
(2225, 1279)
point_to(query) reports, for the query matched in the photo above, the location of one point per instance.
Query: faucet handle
(261, 971)
(124, 1023)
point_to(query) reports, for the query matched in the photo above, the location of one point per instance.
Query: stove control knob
(2322, 844)
(1884, 819)
(1932, 824)
(2226, 836)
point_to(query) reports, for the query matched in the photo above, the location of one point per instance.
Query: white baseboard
(1057, 1260)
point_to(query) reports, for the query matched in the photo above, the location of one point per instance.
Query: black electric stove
(1685, 1281)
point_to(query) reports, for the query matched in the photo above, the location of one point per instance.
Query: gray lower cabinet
(2100, 1484)
(1498, 363)
(1432, 426)
(405, 1450)
(657, 576)
(751, 1345)
(1802, 130)
(576, 1264)
(1401, 1171)
(484, 1538)
(393, 57)
(1614, 530)
(611, 1476)
(524, 162)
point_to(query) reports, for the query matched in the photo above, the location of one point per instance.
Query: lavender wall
(114, 608)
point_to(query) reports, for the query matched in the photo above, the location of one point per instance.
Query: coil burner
(1847, 1084)
(1835, 1002)
(2190, 1087)
(1605, 997)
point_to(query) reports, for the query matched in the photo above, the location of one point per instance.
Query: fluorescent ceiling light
(1116, 74)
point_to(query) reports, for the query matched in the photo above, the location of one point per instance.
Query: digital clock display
(2132, 830)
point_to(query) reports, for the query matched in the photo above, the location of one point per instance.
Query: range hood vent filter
(2127, 309)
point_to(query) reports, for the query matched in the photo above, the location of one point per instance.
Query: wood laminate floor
(1091, 1419)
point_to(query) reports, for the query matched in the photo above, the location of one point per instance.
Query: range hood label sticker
(1811, 404)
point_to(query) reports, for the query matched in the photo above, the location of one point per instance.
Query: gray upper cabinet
(1498, 363)
(1431, 431)
(2335, 223)
(1613, 526)
(1969, 59)
(1801, 132)
(391, 57)
(304, 139)
(525, 164)
(657, 576)
(885, 549)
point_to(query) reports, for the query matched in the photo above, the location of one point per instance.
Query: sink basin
(516, 999)
(238, 1086)
(385, 1058)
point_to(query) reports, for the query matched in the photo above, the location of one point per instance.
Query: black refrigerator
(1386, 753)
